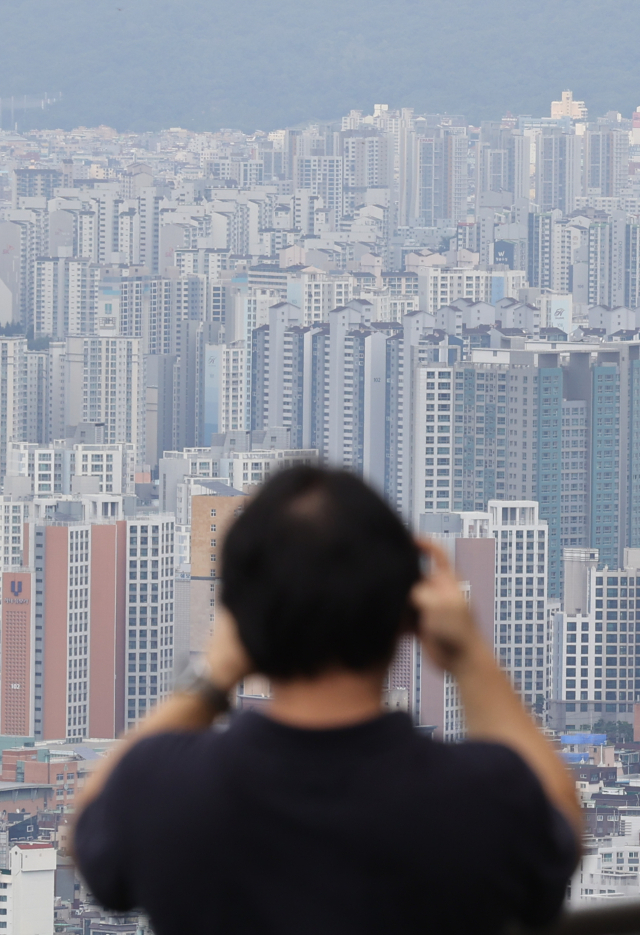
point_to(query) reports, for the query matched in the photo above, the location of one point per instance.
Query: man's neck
(333, 699)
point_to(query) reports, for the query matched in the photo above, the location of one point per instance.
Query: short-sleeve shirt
(277, 830)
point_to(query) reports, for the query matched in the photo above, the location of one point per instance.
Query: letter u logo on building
(16, 588)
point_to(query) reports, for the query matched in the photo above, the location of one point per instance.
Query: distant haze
(204, 64)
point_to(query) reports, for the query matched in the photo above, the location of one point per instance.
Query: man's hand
(445, 625)
(227, 659)
(492, 710)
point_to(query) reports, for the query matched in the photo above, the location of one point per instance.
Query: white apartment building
(522, 625)
(150, 612)
(368, 162)
(431, 479)
(252, 310)
(154, 308)
(38, 390)
(608, 875)
(441, 285)
(513, 314)
(594, 641)
(27, 890)
(15, 513)
(357, 364)
(566, 239)
(181, 474)
(280, 351)
(609, 262)
(66, 295)
(612, 319)
(394, 308)
(317, 293)
(109, 467)
(182, 554)
(104, 383)
(323, 176)
(246, 469)
(227, 386)
(574, 524)
(13, 395)
(558, 169)
(175, 466)
(621, 856)
(523, 628)
(67, 468)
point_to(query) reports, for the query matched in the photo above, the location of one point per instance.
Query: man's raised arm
(182, 711)
(492, 709)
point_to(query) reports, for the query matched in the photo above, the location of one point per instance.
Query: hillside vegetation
(203, 64)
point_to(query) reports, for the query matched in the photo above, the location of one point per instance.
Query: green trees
(616, 731)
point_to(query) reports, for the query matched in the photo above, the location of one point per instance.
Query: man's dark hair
(317, 573)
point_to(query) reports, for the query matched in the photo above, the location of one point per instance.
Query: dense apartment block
(449, 312)
(594, 641)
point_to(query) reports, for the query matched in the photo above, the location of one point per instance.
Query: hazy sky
(145, 64)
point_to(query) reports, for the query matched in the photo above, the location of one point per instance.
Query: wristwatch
(216, 699)
(195, 680)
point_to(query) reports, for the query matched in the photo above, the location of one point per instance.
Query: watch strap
(216, 699)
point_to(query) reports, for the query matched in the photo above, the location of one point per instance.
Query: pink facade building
(87, 626)
(17, 643)
(80, 574)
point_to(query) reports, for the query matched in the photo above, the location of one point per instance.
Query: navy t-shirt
(277, 830)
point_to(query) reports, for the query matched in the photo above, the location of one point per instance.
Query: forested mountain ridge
(203, 64)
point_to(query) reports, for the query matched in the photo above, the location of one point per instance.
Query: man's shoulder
(393, 736)
(486, 761)
(166, 753)
(483, 756)
(184, 742)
